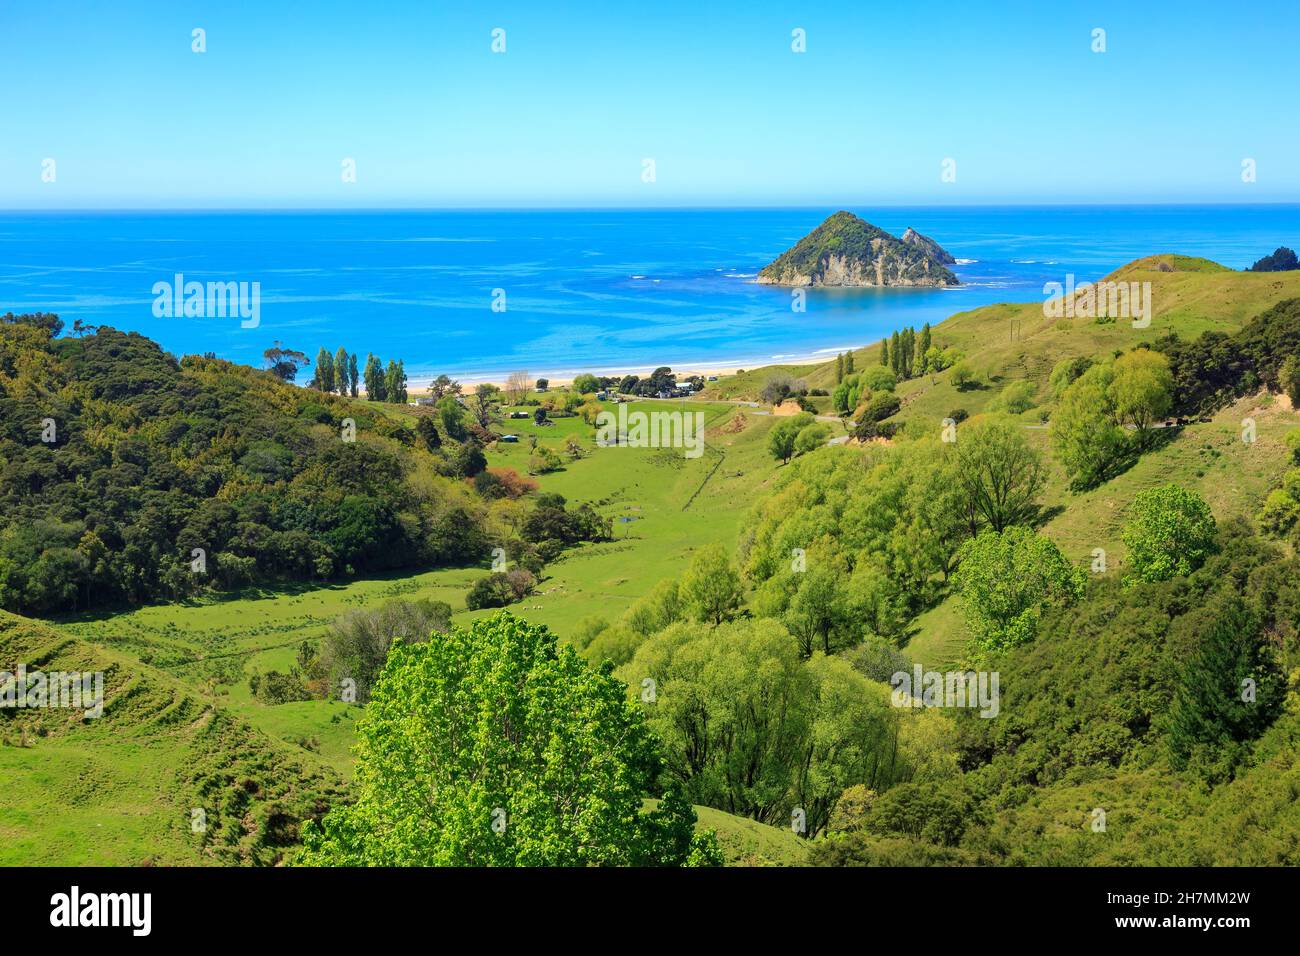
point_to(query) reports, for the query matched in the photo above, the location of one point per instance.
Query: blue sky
(585, 92)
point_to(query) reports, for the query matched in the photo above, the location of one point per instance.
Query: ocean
(574, 290)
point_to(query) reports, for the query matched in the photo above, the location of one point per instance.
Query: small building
(509, 438)
(521, 415)
(601, 396)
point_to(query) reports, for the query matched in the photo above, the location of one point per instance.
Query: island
(846, 250)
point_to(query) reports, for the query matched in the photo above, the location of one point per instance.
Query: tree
(586, 383)
(751, 728)
(896, 354)
(352, 374)
(1085, 433)
(1170, 532)
(497, 746)
(781, 437)
(817, 611)
(1288, 376)
(811, 437)
(1228, 692)
(395, 382)
(453, 419)
(485, 397)
(1006, 580)
(356, 645)
(711, 587)
(427, 431)
(1282, 260)
(999, 474)
(839, 367)
(1142, 389)
(341, 371)
(848, 362)
(376, 390)
(517, 387)
(777, 389)
(544, 383)
(923, 347)
(324, 380)
(885, 360)
(284, 363)
(963, 376)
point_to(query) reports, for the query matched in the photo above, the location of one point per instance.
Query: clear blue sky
(712, 92)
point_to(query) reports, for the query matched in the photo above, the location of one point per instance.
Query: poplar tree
(324, 379)
(341, 371)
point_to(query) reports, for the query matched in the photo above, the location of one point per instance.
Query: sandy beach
(419, 385)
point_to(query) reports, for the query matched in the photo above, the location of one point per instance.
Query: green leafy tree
(1170, 532)
(752, 728)
(781, 437)
(284, 363)
(324, 379)
(586, 383)
(1006, 581)
(1142, 389)
(811, 437)
(496, 746)
(452, 417)
(1085, 431)
(885, 360)
(848, 363)
(839, 367)
(923, 346)
(395, 382)
(353, 379)
(1000, 474)
(711, 587)
(341, 371)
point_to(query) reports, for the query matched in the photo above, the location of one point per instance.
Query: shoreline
(719, 367)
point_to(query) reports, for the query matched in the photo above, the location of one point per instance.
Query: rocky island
(846, 250)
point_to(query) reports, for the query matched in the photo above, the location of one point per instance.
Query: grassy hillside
(122, 788)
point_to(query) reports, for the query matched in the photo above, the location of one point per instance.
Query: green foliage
(173, 478)
(496, 746)
(1170, 532)
(1228, 692)
(860, 243)
(877, 378)
(710, 588)
(750, 727)
(586, 383)
(782, 437)
(1006, 581)
(1016, 398)
(355, 646)
(1000, 475)
(1085, 431)
(500, 589)
(1212, 370)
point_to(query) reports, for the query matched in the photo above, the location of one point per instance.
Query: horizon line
(683, 207)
